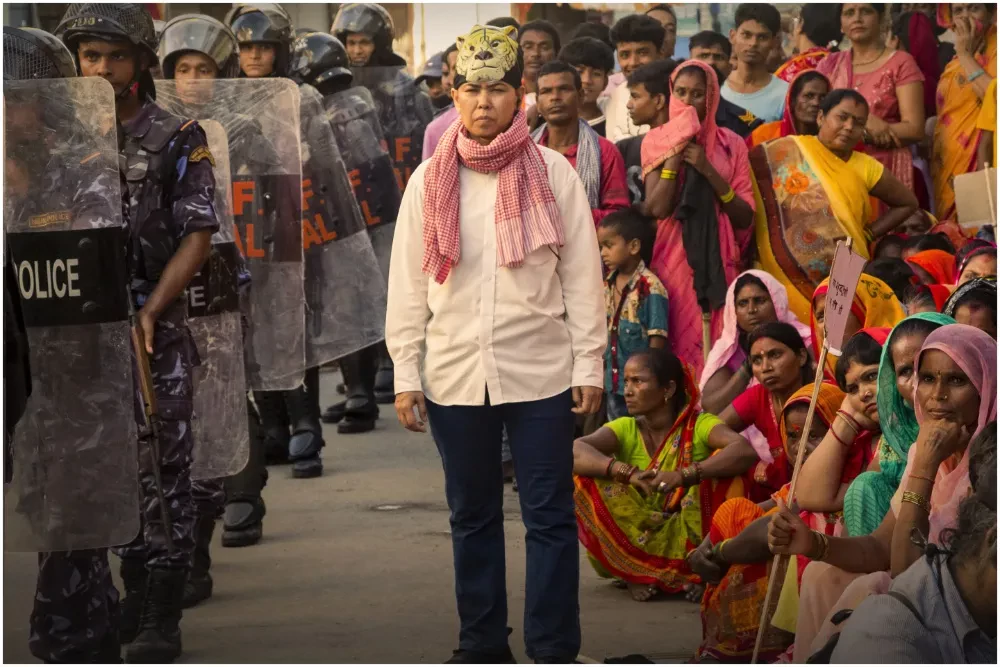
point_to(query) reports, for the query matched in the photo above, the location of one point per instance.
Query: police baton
(151, 433)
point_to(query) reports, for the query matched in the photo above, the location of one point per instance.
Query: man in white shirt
(751, 85)
(495, 319)
(638, 41)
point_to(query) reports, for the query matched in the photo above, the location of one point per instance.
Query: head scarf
(938, 263)
(706, 135)
(985, 285)
(788, 117)
(830, 398)
(896, 417)
(874, 304)
(877, 334)
(975, 353)
(726, 346)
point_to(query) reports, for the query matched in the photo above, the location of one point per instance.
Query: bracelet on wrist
(668, 174)
(717, 554)
(728, 196)
(851, 421)
(918, 500)
(821, 546)
(926, 479)
(975, 75)
(607, 469)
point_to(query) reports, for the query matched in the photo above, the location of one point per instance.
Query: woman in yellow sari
(812, 191)
(645, 483)
(960, 96)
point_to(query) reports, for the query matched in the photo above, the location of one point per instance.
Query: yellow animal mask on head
(487, 54)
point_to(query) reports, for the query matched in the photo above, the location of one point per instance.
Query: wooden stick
(772, 580)
(989, 194)
(706, 335)
(799, 457)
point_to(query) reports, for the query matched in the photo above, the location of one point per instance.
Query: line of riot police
(238, 214)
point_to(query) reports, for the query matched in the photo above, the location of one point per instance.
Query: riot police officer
(171, 191)
(290, 419)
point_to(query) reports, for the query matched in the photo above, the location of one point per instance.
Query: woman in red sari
(889, 80)
(692, 146)
(801, 109)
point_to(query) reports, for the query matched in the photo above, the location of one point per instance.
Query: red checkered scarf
(526, 214)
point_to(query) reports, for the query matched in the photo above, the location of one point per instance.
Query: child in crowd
(634, 298)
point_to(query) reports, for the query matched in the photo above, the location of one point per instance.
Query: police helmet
(265, 24)
(202, 34)
(111, 22)
(29, 53)
(365, 18)
(318, 58)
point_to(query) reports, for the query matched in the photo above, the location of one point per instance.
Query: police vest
(151, 171)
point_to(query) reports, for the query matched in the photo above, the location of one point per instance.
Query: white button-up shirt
(524, 333)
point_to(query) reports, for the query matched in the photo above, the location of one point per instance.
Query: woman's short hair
(838, 95)
(861, 349)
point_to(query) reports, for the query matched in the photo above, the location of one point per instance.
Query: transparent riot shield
(221, 433)
(370, 168)
(261, 120)
(75, 482)
(345, 290)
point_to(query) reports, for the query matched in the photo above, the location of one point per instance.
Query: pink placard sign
(847, 268)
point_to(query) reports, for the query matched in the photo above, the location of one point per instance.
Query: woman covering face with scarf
(698, 186)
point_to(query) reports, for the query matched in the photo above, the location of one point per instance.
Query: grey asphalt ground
(356, 567)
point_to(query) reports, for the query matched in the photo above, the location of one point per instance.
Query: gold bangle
(668, 174)
(917, 499)
(821, 546)
(728, 197)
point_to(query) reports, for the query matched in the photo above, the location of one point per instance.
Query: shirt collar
(639, 270)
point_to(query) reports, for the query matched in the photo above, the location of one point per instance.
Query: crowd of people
(607, 274)
(719, 188)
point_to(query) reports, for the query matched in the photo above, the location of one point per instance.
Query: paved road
(356, 567)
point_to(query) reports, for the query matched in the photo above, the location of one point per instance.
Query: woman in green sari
(646, 485)
(867, 499)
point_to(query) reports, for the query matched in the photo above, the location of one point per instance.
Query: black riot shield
(221, 433)
(261, 120)
(370, 168)
(75, 450)
(345, 291)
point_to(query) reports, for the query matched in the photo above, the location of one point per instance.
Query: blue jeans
(541, 440)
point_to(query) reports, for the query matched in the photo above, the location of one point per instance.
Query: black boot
(159, 638)
(274, 422)
(134, 575)
(199, 583)
(307, 433)
(242, 522)
(385, 391)
(360, 410)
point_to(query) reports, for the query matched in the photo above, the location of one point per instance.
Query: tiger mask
(487, 54)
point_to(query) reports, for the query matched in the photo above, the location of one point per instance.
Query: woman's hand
(787, 533)
(704, 566)
(938, 440)
(858, 414)
(967, 40)
(880, 133)
(642, 480)
(694, 155)
(666, 481)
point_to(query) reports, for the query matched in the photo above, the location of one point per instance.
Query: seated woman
(801, 108)
(874, 305)
(734, 559)
(952, 593)
(638, 499)
(955, 398)
(976, 259)
(755, 298)
(975, 304)
(815, 190)
(780, 363)
(933, 267)
(867, 499)
(847, 449)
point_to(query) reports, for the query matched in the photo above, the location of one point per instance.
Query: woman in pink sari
(891, 82)
(955, 394)
(697, 179)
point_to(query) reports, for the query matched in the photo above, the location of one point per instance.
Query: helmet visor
(195, 35)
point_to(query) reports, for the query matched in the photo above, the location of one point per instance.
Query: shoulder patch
(748, 117)
(200, 153)
(46, 219)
